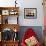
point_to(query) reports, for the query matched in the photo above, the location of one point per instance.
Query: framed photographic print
(30, 13)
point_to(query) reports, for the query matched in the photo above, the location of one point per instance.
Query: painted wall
(37, 29)
(27, 4)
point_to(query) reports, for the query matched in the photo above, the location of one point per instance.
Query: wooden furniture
(11, 26)
(5, 13)
(10, 43)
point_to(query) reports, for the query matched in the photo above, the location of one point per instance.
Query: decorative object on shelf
(13, 12)
(5, 12)
(30, 13)
(6, 21)
(15, 3)
(42, 3)
(15, 30)
(15, 34)
(7, 34)
(15, 37)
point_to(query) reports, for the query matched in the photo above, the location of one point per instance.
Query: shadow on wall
(37, 29)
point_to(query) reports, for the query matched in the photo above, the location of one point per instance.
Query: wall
(31, 4)
(27, 4)
(37, 30)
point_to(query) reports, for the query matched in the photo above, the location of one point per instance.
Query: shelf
(9, 10)
(10, 26)
(11, 41)
(7, 16)
(4, 8)
(6, 12)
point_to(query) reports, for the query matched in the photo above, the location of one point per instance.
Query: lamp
(15, 3)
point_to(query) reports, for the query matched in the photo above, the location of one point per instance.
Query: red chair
(29, 33)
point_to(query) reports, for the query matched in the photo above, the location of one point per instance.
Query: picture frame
(30, 13)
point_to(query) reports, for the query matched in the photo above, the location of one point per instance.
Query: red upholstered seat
(29, 33)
